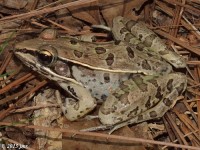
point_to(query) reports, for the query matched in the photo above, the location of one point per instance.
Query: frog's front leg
(142, 98)
(79, 105)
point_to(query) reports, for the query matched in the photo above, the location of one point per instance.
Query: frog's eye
(47, 55)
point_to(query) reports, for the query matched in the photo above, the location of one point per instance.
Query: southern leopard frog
(132, 77)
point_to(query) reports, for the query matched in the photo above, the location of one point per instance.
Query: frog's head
(43, 57)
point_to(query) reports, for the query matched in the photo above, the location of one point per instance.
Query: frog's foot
(74, 109)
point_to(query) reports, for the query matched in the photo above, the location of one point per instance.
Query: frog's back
(107, 57)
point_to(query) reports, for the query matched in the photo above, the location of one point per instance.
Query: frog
(131, 76)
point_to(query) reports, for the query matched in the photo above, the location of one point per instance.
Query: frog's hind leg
(157, 111)
(137, 33)
(162, 100)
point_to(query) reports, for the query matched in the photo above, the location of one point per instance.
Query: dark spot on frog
(81, 112)
(78, 53)
(124, 87)
(150, 54)
(128, 37)
(130, 52)
(130, 122)
(73, 41)
(149, 40)
(122, 112)
(130, 24)
(158, 94)
(90, 90)
(140, 37)
(154, 82)
(106, 77)
(71, 90)
(169, 84)
(143, 87)
(140, 118)
(103, 97)
(154, 103)
(100, 50)
(124, 99)
(119, 119)
(137, 79)
(133, 112)
(117, 42)
(140, 46)
(153, 114)
(65, 111)
(110, 59)
(121, 20)
(94, 80)
(167, 102)
(88, 108)
(180, 88)
(107, 111)
(148, 103)
(138, 64)
(146, 65)
(122, 30)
